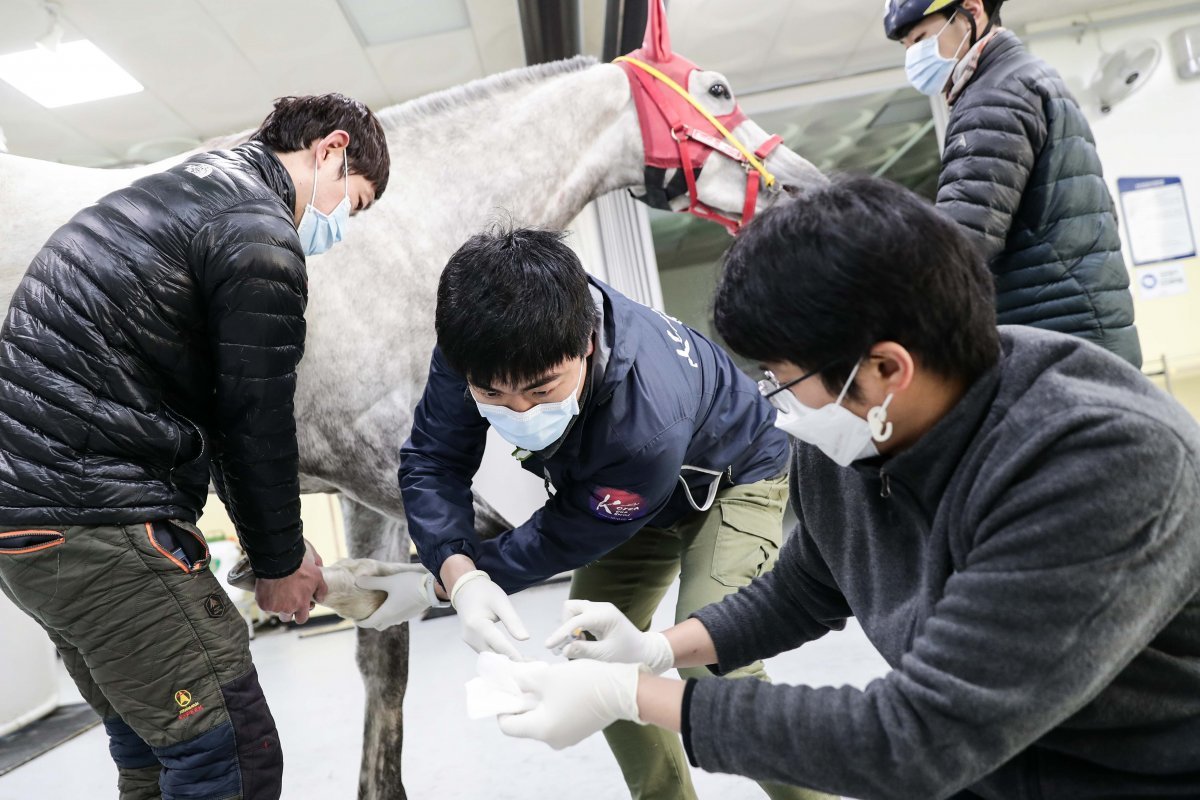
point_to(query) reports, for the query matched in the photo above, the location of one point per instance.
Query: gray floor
(317, 699)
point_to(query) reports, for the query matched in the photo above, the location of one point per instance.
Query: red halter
(678, 134)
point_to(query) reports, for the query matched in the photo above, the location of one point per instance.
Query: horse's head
(687, 115)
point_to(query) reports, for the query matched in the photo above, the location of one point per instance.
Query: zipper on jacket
(199, 432)
(550, 490)
(885, 489)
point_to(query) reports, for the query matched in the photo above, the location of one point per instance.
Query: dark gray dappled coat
(1021, 173)
(157, 334)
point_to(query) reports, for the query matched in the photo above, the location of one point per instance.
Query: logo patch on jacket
(199, 170)
(617, 504)
(214, 605)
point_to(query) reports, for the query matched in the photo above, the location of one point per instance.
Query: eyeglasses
(770, 387)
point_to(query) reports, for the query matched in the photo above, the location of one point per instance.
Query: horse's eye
(720, 91)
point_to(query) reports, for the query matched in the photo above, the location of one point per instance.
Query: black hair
(297, 122)
(819, 281)
(512, 303)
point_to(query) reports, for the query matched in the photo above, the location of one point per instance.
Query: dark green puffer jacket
(1020, 172)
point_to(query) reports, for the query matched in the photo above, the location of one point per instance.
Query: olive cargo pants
(714, 553)
(157, 649)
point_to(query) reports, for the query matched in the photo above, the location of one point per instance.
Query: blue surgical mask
(928, 70)
(540, 426)
(319, 231)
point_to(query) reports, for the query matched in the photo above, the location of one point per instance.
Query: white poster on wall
(1168, 280)
(1156, 219)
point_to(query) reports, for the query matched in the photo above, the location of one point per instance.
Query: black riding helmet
(900, 15)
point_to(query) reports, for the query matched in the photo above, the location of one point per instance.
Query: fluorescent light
(74, 72)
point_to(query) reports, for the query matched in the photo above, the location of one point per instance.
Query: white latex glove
(617, 639)
(574, 699)
(480, 604)
(408, 592)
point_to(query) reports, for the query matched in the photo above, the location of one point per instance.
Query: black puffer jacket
(157, 334)
(1020, 170)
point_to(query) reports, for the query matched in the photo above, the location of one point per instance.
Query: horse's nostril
(792, 190)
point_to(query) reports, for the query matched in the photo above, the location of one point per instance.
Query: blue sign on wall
(1156, 219)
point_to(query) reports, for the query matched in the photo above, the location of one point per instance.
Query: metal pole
(550, 29)
(624, 26)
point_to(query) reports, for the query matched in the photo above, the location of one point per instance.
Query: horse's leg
(383, 655)
(382, 659)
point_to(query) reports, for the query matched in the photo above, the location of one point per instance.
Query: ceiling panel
(109, 124)
(377, 23)
(317, 51)
(24, 22)
(419, 66)
(768, 43)
(180, 54)
(213, 66)
(796, 52)
(497, 30)
(36, 132)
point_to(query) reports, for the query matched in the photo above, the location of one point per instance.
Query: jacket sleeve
(1071, 574)
(437, 466)
(591, 517)
(991, 147)
(253, 279)
(795, 603)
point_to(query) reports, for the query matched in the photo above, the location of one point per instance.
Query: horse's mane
(448, 99)
(428, 105)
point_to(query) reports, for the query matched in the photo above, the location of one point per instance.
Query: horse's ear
(658, 39)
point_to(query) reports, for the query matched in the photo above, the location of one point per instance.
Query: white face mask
(833, 429)
(927, 69)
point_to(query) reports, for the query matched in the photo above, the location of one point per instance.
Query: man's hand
(617, 639)
(407, 595)
(294, 596)
(573, 700)
(481, 604)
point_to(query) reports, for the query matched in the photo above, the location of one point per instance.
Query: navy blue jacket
(666, 398)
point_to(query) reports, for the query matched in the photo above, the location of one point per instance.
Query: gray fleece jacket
(1030, 569)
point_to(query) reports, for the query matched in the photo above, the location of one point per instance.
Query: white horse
(537, 144)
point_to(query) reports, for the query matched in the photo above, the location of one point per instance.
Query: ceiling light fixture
(73, 72)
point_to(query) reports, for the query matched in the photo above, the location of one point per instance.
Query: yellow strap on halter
(768, 178)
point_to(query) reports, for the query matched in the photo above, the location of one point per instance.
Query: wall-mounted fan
(1124, 71)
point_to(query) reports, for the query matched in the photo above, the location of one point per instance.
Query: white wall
(1155, 132)
(32, 690)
